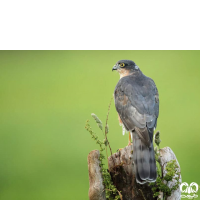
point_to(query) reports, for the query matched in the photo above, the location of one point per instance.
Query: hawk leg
(129, 139)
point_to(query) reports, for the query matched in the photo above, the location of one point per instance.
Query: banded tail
(144, 160)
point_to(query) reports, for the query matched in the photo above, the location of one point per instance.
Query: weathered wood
(121, 167)
(96, 191)
(122, 172)
(166, 154)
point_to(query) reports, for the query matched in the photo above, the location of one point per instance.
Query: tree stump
(121, 168)
(122, 172)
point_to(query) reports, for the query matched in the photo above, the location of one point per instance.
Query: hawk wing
(137, 103)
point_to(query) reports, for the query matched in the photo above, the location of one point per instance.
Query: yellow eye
(122, 65)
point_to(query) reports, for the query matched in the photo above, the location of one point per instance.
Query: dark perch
(122, 172)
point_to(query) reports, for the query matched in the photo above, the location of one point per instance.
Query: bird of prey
(137, 103)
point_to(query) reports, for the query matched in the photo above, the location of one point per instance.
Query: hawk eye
(122, 65)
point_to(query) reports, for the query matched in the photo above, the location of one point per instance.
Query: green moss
(131, 151)
(162, 181)
(172, 173)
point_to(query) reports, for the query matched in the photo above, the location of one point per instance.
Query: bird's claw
(119, 149)
(129, 143)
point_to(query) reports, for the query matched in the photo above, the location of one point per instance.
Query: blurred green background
(47, 96)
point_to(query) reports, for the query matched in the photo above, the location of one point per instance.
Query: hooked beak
(115, 67)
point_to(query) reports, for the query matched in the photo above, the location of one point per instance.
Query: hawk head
(125, 67)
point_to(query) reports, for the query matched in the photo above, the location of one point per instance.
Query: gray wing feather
(137, 102)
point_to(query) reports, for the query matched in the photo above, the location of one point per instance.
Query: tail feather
(144, 159)
(153, 173)
(138, 179)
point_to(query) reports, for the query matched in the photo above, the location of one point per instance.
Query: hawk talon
(129, 139)
(119, 149)
(129, 143)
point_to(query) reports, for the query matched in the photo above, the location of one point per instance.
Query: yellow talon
(129, 139)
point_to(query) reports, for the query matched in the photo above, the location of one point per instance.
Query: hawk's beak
(115, 67)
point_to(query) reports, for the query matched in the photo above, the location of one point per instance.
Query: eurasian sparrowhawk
(137, 103)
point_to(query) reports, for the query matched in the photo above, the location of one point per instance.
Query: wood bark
(123, 175)
(96, 190)
(166, 154)
(121, 168)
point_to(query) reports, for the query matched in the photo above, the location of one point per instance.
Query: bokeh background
(47, 96)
